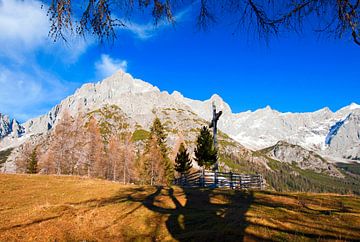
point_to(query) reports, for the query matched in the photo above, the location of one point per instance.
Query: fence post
(231, 180)
(215, 179)
(202, 181)
(240, 182)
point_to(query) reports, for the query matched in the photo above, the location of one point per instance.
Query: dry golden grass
(62, 208)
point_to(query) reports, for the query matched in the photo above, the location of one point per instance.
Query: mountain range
(332, 136)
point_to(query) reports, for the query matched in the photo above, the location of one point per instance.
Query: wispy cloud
(107, 66)
(24, 95)
(24, 28)
(147, 30)
(27, 88)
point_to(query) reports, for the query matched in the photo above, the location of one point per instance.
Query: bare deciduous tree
(95, 164)
(23, 157)
(121, 157)
(114, 156)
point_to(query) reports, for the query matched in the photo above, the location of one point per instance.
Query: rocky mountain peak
(177, 95)
(353, 106)
(256, 130)
(220, 104)
(324, 110)
(122, 82)
(266, 109)
(350, 108)
(9, 127)
(304, 159)
(5, 126)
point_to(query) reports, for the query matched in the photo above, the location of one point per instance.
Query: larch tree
(60, 145)
(121, 156)
(180, 140)
(65, 147)
(46, 162)
(128, 158)
(95, 163)
(22, 160)
(205, 152)
(77, 138)
(114, 156)
(266, 18)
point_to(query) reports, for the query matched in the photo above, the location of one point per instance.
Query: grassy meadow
(65, 208)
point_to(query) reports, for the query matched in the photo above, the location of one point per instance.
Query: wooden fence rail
(221, 179)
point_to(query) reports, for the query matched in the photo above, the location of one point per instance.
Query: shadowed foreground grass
(60, 208)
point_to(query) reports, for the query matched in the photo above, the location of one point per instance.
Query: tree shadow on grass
(220, 215)
(207, 215)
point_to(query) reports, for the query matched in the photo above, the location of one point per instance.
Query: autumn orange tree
(121, 157)
(26, 161)
(63, 152)
(61, 145)
(95, 162)
(266, 17)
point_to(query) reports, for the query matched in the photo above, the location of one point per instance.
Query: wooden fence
(221, 179)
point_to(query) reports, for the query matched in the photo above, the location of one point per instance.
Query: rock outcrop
(302, 158)
(334, 134)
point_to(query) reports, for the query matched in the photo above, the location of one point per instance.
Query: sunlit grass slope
(60, 208)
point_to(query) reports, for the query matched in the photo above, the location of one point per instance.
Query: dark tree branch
(267, 17)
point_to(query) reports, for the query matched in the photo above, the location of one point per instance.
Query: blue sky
(293, 73)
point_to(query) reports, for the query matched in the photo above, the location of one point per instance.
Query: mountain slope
(137, 103)
(265, 127)
(302, 158)
(346, 141)
(256, 130)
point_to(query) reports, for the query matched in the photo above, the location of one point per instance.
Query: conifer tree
(205, 152)
(32, 163)
(163, 164)
(182, 160)
(153, 164)
(157, 129)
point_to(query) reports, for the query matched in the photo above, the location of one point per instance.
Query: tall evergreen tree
(153, 163)
(157, 133)
(32, 163)
(205, 152)
(182, 160)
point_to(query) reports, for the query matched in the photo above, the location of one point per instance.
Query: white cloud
(28, 89)
(148, 30)
(24, 28)
(107, 66)
(141, 31)
(24, 95)
(23, 21)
